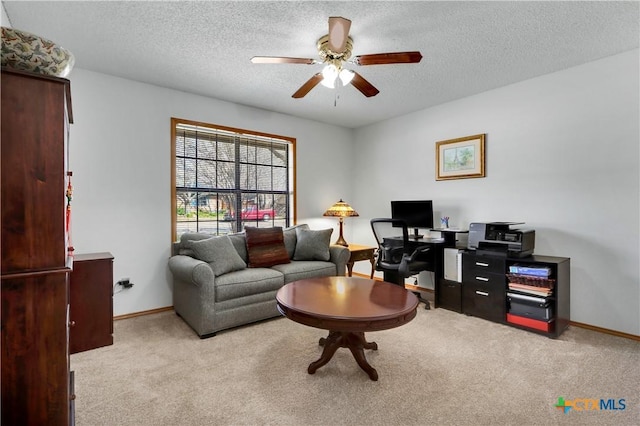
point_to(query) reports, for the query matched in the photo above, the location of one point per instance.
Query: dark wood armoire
(36, 262)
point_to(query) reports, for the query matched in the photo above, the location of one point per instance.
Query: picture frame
(460, 158)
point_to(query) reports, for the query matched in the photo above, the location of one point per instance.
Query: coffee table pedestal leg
(356, 343)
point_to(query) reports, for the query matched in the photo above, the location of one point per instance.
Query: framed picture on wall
(460, 158)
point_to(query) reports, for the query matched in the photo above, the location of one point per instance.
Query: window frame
(238, 134)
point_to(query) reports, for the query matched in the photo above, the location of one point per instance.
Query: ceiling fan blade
(388, 58)
(363, 85)
(281, 60)
(338, 33)
(306, 87)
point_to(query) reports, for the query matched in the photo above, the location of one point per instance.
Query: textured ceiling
(205, 47)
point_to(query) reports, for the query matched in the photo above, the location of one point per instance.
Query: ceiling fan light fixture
(346, 76)
(329, 76)
(334, 50)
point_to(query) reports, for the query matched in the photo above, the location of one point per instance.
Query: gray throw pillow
(219, 253)
(312, 245)
(290, 238)
(188, 236)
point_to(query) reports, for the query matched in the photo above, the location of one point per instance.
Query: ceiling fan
(334, 50)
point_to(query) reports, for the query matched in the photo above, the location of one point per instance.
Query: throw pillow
(188, 236)
(219, 253)
(265, 247)
(312, 245)
(290, 238)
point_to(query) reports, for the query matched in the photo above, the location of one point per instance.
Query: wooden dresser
(36, 381)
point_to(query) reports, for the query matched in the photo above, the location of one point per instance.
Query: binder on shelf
(545, 326)
(534, 270)
(528, 300)
(533, 312)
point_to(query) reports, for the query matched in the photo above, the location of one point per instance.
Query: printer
(498, 238)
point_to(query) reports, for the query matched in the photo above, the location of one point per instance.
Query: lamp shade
(341, 209)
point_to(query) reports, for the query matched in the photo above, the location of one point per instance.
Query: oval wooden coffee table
(347, 307)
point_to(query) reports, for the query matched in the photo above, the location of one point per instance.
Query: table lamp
(341, 210)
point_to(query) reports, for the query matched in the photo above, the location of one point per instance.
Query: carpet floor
(442, 368)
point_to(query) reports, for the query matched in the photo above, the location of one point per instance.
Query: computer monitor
(415, 213)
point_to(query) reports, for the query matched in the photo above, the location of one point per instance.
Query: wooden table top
(358, 247)
(347, 303)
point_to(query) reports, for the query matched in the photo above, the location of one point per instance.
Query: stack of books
(532, 280)
(529, 291)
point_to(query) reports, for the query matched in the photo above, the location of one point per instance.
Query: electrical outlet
(125, 283)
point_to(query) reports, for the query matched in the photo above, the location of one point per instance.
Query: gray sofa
(216, 284)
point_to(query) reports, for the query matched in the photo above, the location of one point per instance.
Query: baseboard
(141, 313)
(418, 288)
(605, 330)
(573, 323)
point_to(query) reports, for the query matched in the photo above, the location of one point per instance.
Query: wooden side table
(361, 253)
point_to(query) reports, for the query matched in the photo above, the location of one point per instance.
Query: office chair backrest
(386, 227)
(394, 252)
(390, 253)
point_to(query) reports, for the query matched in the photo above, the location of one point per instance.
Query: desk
(435, 257)
(361, 253)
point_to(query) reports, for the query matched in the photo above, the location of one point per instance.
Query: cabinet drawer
(485, 279)
(450, 295)
(472, 262)
(484, 301)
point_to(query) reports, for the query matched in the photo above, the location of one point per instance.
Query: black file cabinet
(449, 295)
(484, 287)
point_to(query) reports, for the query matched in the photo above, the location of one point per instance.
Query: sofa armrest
(190, 270)
(340, 256)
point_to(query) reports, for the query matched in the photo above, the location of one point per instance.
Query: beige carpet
(442, 368)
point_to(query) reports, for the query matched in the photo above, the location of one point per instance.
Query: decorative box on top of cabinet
(35, 383)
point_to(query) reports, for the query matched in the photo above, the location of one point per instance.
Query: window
(225, 178)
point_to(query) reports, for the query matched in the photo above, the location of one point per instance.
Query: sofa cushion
(302, 269)
(247, 282)
(219, 253)
(265, 247)
(290, 238)
(312, 245)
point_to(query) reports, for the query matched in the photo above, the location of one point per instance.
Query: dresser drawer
(484, 300)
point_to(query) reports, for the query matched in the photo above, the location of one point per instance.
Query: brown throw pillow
(265, 247)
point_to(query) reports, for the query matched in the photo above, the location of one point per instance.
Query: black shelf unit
(485, 287)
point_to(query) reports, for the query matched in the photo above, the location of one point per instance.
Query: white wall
(4, 19)
(120, 155)
(562, 155)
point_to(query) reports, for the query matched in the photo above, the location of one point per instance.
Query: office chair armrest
(403, 269)
(418, 251)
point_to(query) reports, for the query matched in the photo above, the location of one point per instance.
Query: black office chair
(396, 257)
